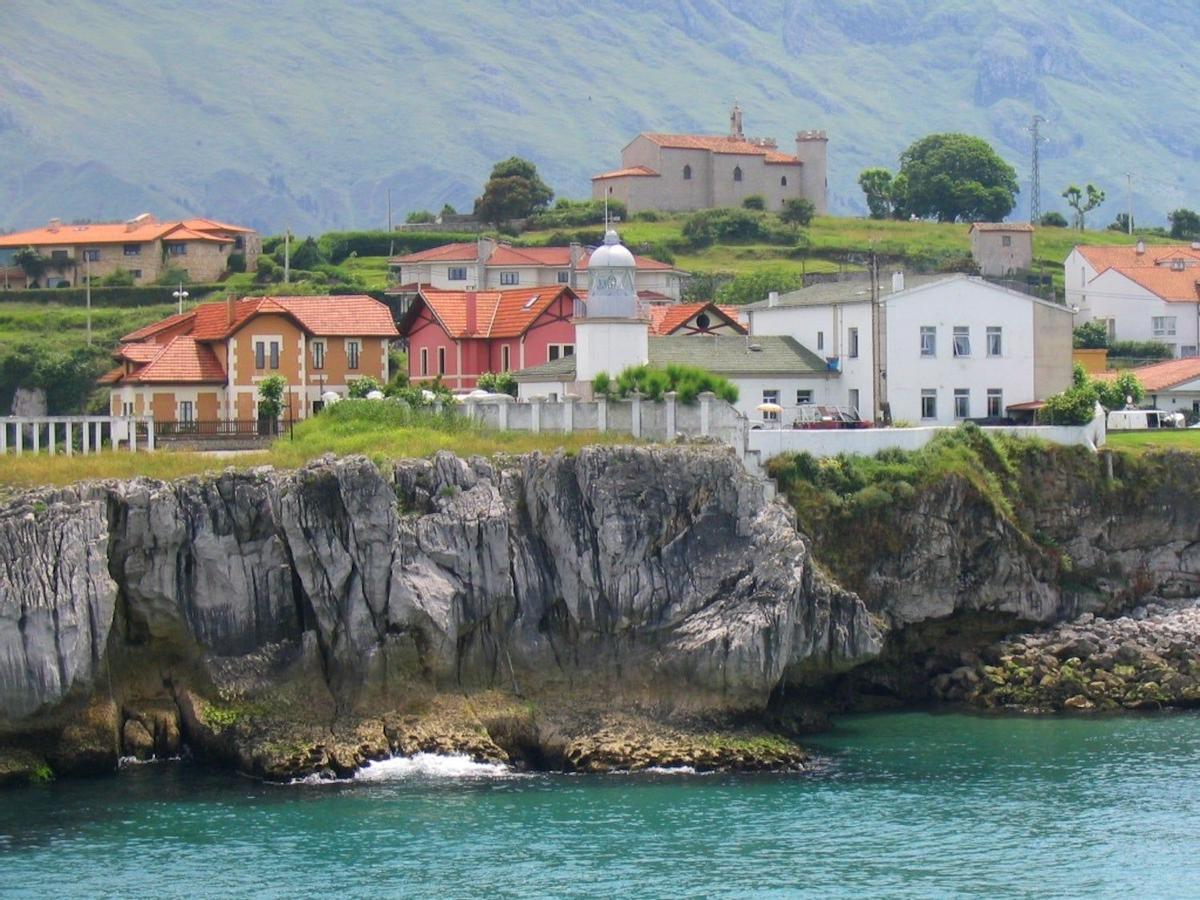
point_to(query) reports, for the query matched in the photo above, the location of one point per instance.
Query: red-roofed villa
(204, 365)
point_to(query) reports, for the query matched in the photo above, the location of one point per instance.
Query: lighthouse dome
(612, 254)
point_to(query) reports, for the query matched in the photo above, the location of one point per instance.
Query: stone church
(684, 172)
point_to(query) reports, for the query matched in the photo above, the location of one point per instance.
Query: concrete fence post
(669, 399)
(131, 431)
(568, 421)
(635, 413)
(602, 414)
(50, 438)
(470, 405)
(3, 437)
(85, 438)
(37, 436)
(20, 437)
(706, 400)
(502, 412)
(150, 432)
(535, 410)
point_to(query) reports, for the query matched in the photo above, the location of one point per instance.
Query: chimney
(472, 311)
(54, 225)
(1141, 247)
(576, 252)
(773, 298)
(897, 282)
(230, 309)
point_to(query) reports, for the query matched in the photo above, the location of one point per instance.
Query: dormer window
(737, 173)
(687, 173)
(1177, 265)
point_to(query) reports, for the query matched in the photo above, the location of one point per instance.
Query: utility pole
(87, 263)
(876, 349)
(391, 240)
(287, 254)
(1035, 175)
(180, 295)
(1129, 213)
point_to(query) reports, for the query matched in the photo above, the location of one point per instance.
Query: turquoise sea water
(904, 805)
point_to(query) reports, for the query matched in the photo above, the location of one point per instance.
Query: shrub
(268, 270)
(797, 211)
(1074, 406)
(121, 297)
(575, 213)
(1053, 220)
(1139, 350)
(360, 387)
(172, 275)
(755, 201)
(751, 287)
(1091, 336)
(708, 225)
(688, 382)
(419, 217)
(117, 278)
(237, 262)
(647, 215)
(270, 396)
(497, 383)
(1126, 387)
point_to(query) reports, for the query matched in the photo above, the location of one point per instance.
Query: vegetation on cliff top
(377, 429)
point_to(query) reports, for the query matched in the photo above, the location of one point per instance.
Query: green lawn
(1138, 441)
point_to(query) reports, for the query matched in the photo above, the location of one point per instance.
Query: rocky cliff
(344, 591)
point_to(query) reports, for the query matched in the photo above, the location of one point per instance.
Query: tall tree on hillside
(514, 191)
(1185, 224)
(876, 184)
(957, 177)
(32, 263)
(1083, 201)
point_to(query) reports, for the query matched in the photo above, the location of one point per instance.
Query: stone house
(204, 365)
(1002, 249)
(142, 246)
(685, 172)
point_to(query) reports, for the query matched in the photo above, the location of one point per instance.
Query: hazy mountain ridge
(307, 112)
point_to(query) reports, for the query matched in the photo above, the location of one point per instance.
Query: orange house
(205, 365)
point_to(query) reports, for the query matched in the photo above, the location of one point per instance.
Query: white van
(1141, 419)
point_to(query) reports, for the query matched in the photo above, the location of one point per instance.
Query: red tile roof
(148, 229)
(183, 361)
(138, 353)
(154, 328)
(1169, 284)
(499, 314)
(718, 144)
(1163, 375)
(459, 252)
(1107, 257)
(635, 171)
(1000, 226)
(507, 255)
(669, 319)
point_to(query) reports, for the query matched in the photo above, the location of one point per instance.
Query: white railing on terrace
(74, 434)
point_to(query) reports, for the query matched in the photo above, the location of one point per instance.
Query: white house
(1140, 293)
(951, 347)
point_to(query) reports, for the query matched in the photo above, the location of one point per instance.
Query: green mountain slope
(306, 112)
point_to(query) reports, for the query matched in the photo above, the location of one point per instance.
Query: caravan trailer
(1142, 419)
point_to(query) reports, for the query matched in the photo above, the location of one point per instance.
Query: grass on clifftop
(1141, 441)
(376, 429)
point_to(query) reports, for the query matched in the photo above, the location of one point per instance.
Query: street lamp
(180, 295)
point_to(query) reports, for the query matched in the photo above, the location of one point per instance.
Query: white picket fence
(60, 434)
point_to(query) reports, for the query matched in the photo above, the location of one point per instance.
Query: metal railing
(217, 429)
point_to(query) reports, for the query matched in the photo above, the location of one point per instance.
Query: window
(783, 181)
(59, 254)
(995, 340)
(260, 355)
(928, 404)
(995, 400)
(854, 399)
(558, 351)
(239, 243)
(929, 340)
(820, 340)
(274, 354)
(135, 273)
(1110, 326)
(441, 360)
(1164, 326)
(352, 351)
(91, 255)
(687, 173)
(803, 397)
(770, 396)
(737, 173)
(177, 249)
(456, 273)
(962, 340)
(424, 360)
(509, 278)
(318, 350)
(127, 409)
(1006, 240)
(133, 249)
(564, 276)
(505, 358)
(962, 403)
(1188, 351)
(852, 341)
(186, 411)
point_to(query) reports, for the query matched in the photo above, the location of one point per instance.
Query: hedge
(112, 297)
(337, 246)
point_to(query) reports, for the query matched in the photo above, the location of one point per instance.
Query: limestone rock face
(647, 569)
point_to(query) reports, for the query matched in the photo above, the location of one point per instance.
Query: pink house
(461, 334)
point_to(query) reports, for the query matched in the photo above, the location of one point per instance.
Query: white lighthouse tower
(610, 336)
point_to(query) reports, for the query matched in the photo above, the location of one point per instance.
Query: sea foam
(430, 765)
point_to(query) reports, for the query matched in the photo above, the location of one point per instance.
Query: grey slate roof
(851, 290)
(728, 355)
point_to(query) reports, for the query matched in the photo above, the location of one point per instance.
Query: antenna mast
(1035, 177)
